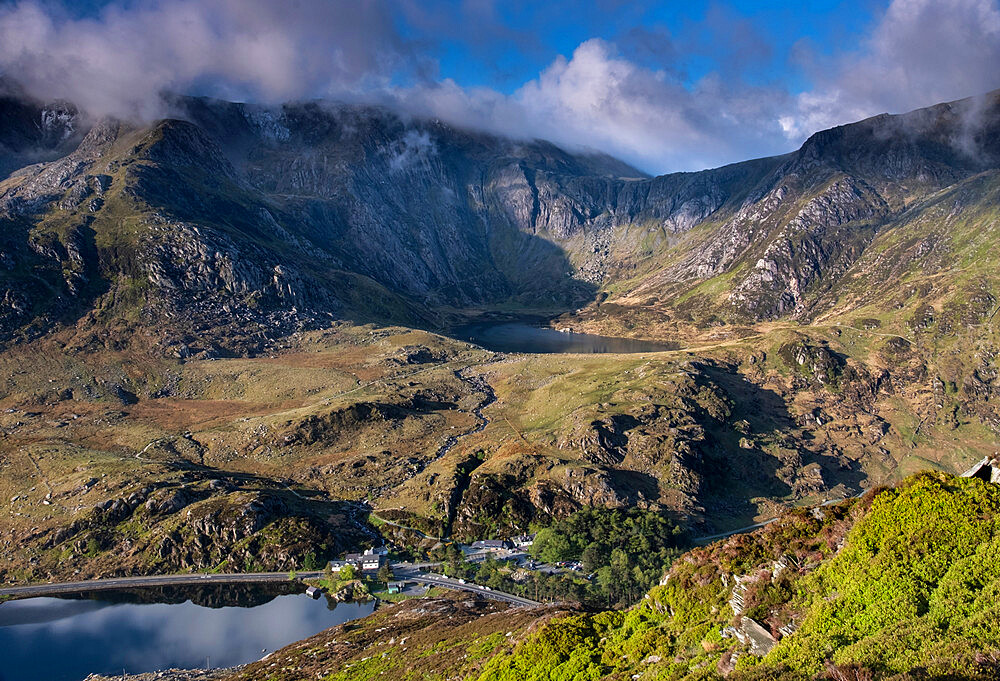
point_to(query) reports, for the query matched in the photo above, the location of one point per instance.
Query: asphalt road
(449, 583)
(401, 573)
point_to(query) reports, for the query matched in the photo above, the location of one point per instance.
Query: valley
(247, 339)
(450, 439)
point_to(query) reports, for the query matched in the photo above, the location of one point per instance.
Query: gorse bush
(920, 571)
(904, 585)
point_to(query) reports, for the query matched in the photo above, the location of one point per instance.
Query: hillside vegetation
(899, 585)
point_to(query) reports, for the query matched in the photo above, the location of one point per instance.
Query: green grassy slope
(913, 587)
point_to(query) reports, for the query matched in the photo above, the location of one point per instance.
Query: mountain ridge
(447, 218)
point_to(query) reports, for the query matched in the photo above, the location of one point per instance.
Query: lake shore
(171, 675)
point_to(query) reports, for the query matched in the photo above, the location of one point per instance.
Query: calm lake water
(60, 639)
(521, 337)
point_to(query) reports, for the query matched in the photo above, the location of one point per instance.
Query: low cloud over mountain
(634, 94)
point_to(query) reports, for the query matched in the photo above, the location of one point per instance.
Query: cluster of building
(367, 563)
(372, 560)
(499, 549)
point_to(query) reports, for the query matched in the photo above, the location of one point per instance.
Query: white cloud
(921, 52)
(597, 99)
(918, 53)
(120, 62)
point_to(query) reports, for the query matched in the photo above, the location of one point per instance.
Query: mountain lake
(146, 630)
(523, 337)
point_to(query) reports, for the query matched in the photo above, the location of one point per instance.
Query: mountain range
(242, 300)
(358, 213)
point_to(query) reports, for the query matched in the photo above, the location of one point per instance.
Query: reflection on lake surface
(59, 639)
(520, 337)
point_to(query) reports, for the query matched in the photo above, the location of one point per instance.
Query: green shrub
(914, 589)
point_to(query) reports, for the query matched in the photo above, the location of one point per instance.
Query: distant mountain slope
(317, 209)
(814, 216)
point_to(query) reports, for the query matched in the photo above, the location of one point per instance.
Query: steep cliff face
(339, 212)
(279, 217)
(155, 229)
(441, 215)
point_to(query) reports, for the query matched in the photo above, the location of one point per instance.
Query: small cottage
(369, 561)
(523, 542)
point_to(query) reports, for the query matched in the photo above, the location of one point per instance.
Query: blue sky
(521, 38)
(663, 85)
(641, 28)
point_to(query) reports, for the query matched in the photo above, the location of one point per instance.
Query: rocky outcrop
(166, 527)
(171, 675)
(820, 243)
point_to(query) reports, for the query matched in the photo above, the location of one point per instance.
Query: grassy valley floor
(442, 436)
